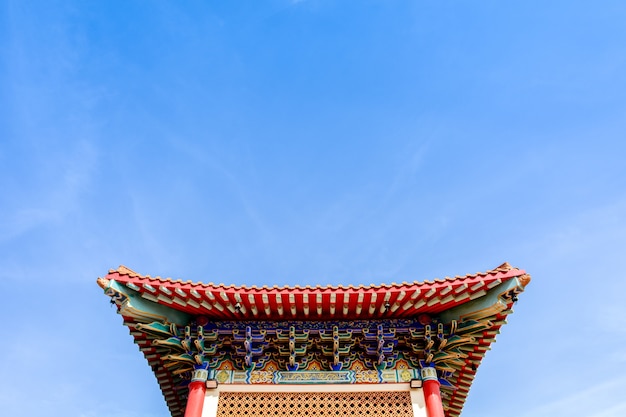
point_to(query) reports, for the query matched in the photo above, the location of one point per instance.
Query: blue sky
(312, 142)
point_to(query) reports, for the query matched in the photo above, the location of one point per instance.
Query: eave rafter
(313, 303)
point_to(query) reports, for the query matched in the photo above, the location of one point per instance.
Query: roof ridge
(127, 271)
(503, 268)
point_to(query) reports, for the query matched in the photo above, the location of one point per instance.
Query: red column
(195, 400)
(197, 391)
(432, 394)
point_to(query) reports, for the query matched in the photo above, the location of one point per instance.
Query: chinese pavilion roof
(449, 323)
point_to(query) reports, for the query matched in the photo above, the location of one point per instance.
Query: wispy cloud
(55, 194)
(601, 399)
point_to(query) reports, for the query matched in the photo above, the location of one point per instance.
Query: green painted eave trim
(146, 310)
(492, 301)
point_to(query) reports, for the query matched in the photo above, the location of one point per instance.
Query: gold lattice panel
(310, 404)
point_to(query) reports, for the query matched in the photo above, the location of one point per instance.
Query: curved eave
(222, 302)
(463, 378)
(174, 395)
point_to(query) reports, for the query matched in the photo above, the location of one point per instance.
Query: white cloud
(594, 399)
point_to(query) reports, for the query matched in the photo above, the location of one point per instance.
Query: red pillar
(432, 396)
(197, 391)
(432, 393)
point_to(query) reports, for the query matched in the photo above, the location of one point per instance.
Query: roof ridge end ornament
(103, 283)
(524, 280)
(126, 270)
(504, 267)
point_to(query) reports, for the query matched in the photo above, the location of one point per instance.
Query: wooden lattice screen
(311, 404)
